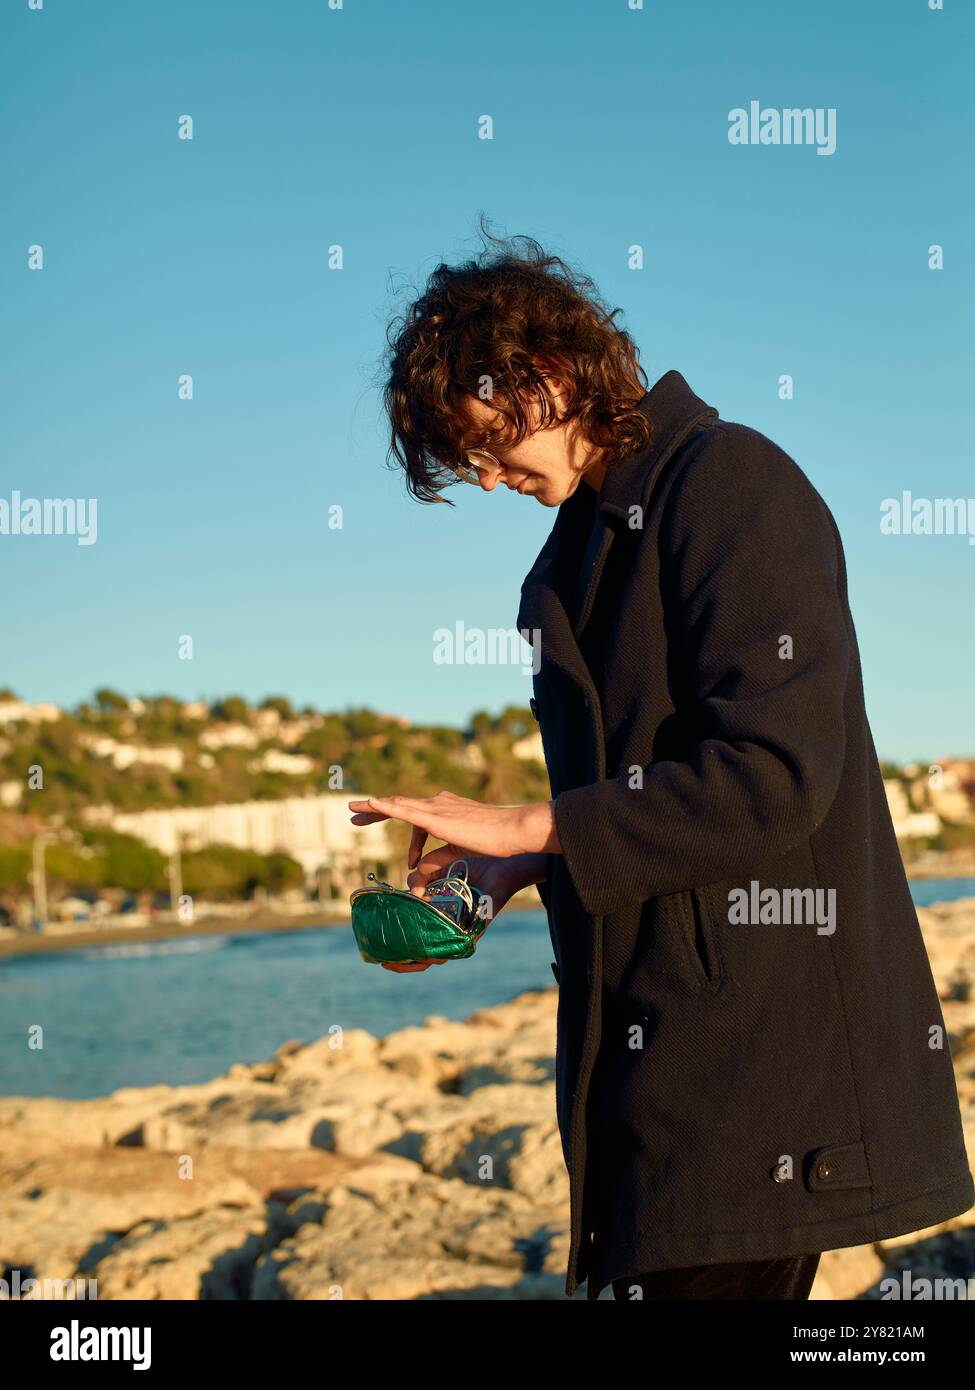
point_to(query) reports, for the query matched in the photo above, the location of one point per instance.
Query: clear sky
(359, 127)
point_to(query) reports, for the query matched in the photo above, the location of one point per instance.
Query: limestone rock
(427, 1164)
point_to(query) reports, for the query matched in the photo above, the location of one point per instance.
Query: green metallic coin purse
(395, 926)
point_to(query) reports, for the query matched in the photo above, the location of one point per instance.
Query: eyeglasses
(480, 463)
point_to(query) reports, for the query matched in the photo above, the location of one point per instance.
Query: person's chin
(563, 494)
(545, 499)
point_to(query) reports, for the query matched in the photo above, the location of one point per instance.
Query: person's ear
(553, 371)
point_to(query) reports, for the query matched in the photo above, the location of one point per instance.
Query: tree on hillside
(234, 709)
(281, 704)
(110, 701)
(166, 708)
(362, 723)
(517, 721)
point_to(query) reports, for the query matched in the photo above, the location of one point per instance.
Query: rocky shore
(423, 1165)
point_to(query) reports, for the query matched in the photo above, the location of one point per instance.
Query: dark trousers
(752, 1279)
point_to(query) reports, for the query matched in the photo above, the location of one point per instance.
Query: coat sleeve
(750, 569)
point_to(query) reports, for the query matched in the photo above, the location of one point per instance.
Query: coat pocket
(701, 939)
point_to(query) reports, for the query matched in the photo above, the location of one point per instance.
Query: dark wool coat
(731, 1085)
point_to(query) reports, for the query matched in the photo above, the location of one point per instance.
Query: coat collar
(674, 411)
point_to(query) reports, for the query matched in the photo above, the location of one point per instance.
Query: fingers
(417, 840)
(431, 865)
(386, 804)
(367, 814)
(404, 808)
(403, 969)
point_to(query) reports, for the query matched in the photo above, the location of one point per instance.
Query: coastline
(956, 870)
(23, 943)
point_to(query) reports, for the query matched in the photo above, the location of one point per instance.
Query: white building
(292, 731)
(470, 756)
(918, 825)
(294, 764)
(11, 793)
(315, 830)
(266, 722)
(125, 755)
(229, 736)
(19, 712)
(529, 748)
(908, 824)
(897, 802)
(951, 803)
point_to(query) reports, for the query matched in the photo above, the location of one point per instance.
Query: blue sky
(359, 127)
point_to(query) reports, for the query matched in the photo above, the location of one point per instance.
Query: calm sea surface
(182, 1010)
(134, 1014)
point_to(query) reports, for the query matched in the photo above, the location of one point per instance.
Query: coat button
(823, 1169)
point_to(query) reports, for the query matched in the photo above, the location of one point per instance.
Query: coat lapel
(543, 616)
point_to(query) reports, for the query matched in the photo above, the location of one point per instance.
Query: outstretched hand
(498, 831)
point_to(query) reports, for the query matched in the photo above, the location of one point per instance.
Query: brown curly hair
(491, 321)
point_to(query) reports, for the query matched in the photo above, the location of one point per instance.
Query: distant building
(315, 830)
(954, 799)
(294, 764)
(909, 824)
(951, 803)
(897, 802)
(944, 788)
(229, 736)
(469, 756)
(266, 722)
(292, 731)
(529, 748)
(918, 825)
(963, 770)
(125, 755)
(19, 712)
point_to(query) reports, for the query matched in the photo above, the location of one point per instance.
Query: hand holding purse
(395, 926)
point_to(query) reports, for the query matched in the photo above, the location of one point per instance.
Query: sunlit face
(548, 464)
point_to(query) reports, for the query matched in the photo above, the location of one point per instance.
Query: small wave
(128, 949)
